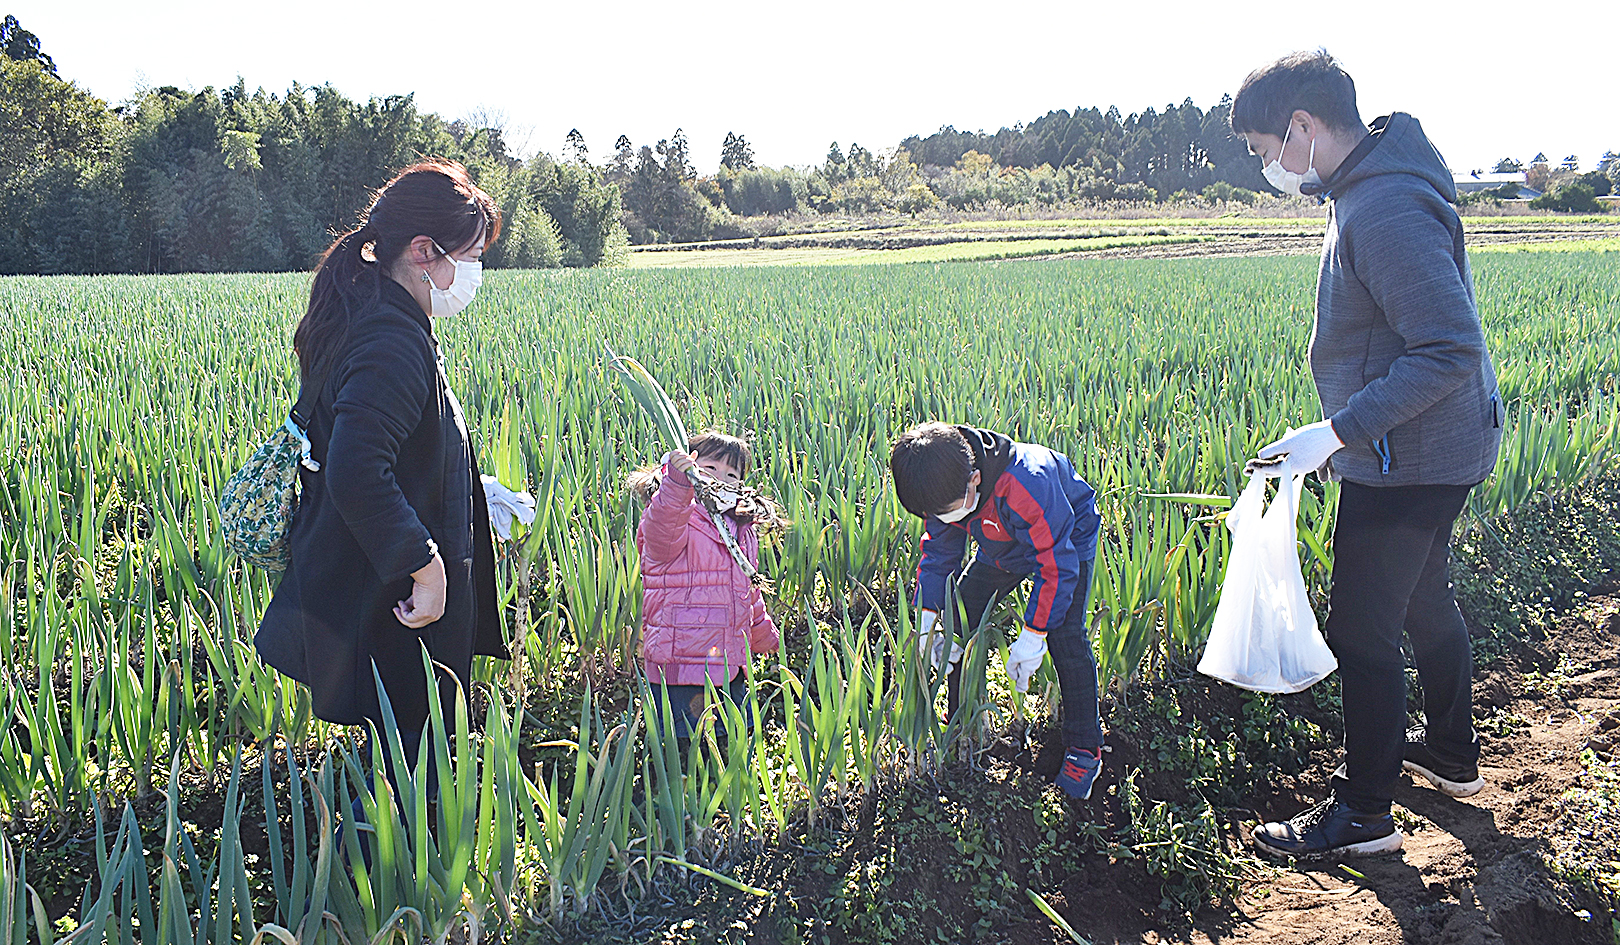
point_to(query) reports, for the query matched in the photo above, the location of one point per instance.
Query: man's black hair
(1312, 81)
(931, 464)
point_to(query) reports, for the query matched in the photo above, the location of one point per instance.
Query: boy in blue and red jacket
(1031, 515)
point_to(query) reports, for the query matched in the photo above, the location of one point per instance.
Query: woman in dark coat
(391, 546)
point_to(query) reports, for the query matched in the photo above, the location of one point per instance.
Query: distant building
(1476, 181)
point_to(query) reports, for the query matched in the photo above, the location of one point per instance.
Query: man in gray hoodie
(1412, 423)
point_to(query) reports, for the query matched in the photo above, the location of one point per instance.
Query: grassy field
(1241, 220)
(125, 625)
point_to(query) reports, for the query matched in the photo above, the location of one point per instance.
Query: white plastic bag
(1264, 635)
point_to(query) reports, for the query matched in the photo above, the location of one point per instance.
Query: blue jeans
(1069, 645)
(686, 703)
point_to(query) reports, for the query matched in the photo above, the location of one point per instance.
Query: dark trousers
(1069, 646)
(409, 742)
(686, 702)
(1391, 575)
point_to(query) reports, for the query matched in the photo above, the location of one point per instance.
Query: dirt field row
(1292, 241)
(1472, 871)
(1190, 238)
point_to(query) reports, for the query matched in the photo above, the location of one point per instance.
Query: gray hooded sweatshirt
(1397, 352)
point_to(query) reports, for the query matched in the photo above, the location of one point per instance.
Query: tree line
(239, 180)
(1085, 156)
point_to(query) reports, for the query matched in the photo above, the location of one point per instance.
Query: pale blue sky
(1485, 81)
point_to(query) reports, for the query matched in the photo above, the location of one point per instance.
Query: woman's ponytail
(343, 278)
(434, 199)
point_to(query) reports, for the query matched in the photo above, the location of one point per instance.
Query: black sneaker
(1452, 780)
(1330, 829)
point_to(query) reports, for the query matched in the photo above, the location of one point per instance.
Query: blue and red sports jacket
(1035, 516)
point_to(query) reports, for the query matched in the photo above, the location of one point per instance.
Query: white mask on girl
(726, 498)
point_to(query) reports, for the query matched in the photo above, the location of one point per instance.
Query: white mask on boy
(956, 515)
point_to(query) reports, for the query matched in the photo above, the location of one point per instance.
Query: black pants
(1068, 645)
(1391, 575)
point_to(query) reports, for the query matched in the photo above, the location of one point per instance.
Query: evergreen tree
(736, 154)
(19, 45)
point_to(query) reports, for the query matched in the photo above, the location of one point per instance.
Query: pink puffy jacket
(700, 616)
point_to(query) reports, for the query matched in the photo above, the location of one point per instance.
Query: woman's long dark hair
(434, 199)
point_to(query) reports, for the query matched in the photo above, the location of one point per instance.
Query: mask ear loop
(427, 279)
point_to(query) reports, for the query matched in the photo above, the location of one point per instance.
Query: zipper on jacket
(1496, 410)
(1381, 447)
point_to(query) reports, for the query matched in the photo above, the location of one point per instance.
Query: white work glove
(1306, 448)
(931, 643)
(1024, 657)
(505, 505)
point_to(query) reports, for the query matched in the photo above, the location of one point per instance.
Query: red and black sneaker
(1080, 769)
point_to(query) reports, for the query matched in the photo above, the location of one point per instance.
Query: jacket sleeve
(1405, 259)
(942, 549)
(1041, 519)
(762, 635)
(382, 391)
(664, 524)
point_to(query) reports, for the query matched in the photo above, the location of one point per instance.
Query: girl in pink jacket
(701, 616)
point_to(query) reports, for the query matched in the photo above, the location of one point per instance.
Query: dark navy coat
(398, 481)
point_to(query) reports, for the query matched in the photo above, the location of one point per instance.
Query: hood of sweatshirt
(992, 454)
(1395, 144)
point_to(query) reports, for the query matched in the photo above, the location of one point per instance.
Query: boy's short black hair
(1312, 81)
(931, 464)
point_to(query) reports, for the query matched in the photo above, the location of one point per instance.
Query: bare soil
(1471, 871)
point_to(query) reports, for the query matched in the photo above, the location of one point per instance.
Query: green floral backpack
(257, 504)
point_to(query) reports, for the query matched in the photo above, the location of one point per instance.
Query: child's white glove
(931, 643)
(505, 505)
(1024, 657)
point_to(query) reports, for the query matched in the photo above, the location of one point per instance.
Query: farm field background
(879, 239)
(125, 627)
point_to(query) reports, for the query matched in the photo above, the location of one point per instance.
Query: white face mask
(1287, 181)
(956, 515)
(446, 302)
(725, 499)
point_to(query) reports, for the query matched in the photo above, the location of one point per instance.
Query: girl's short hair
(712, 444)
